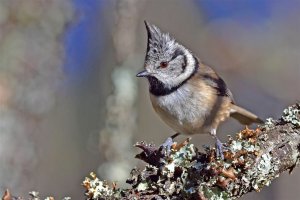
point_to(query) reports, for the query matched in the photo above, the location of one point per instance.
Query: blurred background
(70, 102)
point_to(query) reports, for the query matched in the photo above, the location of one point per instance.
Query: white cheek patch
(190, 67)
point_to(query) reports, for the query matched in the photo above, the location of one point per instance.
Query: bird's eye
(164, 64)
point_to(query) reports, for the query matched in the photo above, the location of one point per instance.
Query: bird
(187, 94)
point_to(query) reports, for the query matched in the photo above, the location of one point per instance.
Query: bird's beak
(143, 73)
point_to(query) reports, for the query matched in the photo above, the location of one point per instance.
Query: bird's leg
(169, 142)
(219, 145)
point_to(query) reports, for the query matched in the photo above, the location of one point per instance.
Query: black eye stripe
(184, 64)
(177, 52)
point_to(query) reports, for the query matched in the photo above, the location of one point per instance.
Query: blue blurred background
(70, 102)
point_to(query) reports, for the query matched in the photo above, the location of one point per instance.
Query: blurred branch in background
(31, 59)
(116, 138)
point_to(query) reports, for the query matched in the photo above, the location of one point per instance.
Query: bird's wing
(211, 78)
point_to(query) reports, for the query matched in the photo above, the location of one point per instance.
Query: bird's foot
(167, 145)
(219, 149)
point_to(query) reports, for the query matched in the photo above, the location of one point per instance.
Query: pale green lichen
(182, 172)
(292, 115)
(269, 124)
(236, 146)
(185, 161)
(97, 189)
(215, 193)
(34, 195)
(264, 167)
(142, 186)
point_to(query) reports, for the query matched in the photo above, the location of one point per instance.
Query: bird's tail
(244, 116)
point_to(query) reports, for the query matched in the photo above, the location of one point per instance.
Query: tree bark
(252, 160)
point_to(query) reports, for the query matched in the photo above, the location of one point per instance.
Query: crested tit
(188, 95)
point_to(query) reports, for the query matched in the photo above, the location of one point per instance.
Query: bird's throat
(158, 88)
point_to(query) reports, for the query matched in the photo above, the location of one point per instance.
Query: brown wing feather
(211, 78)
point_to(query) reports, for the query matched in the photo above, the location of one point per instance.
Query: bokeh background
(70, 102)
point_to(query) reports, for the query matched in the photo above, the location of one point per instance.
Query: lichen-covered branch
(253, 158)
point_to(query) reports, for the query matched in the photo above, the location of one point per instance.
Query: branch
(252, 160)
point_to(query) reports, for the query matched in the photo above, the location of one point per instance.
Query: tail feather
(244, 116)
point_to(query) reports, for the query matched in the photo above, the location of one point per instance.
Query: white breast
(183, 110)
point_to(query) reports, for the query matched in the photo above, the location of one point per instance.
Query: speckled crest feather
(159, 43)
